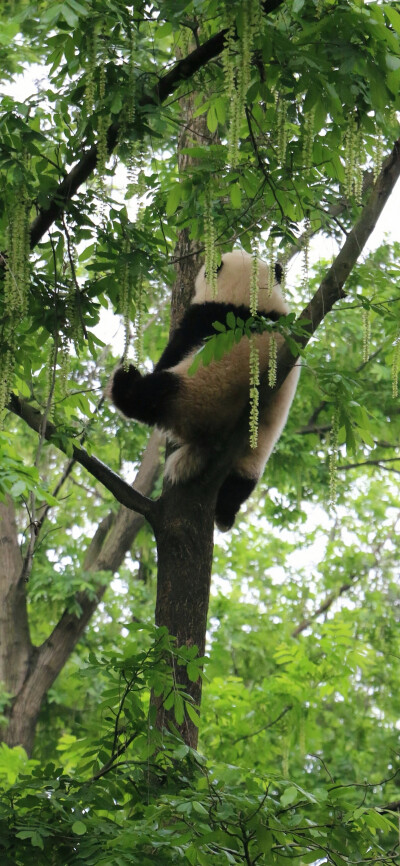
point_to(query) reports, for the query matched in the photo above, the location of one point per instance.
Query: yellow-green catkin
(271, 265)
(358, 168)
(102, 123)
(366, 326)
(237, 71)
(17, 273)
(74, 313)
(272, 360)
(16, 286)
(306, 254)
(378, 156)
(138, 344)
(254, 284)
(396, 367)
(126, 298)
(210, 252)
(254, 393)
(51, 375)
(90, 71)
(63, 364)
(333, 457)
(131, 108)
(6, 374)
(254, 355)
(308, 139)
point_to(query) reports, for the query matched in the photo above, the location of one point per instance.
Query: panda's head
(233, 283)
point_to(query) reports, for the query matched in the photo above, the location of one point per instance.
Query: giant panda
(199, 410)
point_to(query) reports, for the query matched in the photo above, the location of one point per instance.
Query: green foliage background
(299, 755)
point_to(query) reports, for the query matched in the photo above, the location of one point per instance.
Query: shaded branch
(119, 488)
(379, 462)
(264, 727)
(327, 604)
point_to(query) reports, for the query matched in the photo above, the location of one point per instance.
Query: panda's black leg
(146, 398)
(232, 493)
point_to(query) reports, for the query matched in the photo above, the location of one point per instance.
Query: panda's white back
(233, 284)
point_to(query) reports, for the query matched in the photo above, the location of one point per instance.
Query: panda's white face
(233, 284)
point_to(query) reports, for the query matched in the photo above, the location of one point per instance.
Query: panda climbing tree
(200, 410)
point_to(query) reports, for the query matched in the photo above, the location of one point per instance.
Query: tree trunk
(15, 643)
(184, 530)
(184, 525)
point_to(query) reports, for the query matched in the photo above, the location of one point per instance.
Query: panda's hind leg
(146, 398)
(233, 492)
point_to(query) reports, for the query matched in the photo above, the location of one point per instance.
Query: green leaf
(179, 708)
(393, 16)
(235, 195)
(193, 716)
(173, 200)
(212, 119)
(289, 796)
(79, 828)
(231, 320)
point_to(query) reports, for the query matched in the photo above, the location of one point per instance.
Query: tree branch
(378, 462)
(182, 71)
(325, 606)
(264, 727)
(119, 488)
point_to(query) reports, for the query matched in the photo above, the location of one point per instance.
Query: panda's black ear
(278, 272)
(217, 270)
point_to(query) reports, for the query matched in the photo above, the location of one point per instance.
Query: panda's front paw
(121, 388)
(123, 378)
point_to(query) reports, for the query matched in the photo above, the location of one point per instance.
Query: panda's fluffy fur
(198, 410)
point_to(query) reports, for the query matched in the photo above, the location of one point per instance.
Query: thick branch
(182, 71)
(119, 488)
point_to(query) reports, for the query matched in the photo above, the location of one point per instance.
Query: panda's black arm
(197, 324)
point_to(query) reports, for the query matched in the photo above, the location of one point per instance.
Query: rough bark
(184, 534)
(15, 643)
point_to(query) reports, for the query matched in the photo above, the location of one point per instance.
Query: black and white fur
(196, 411)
